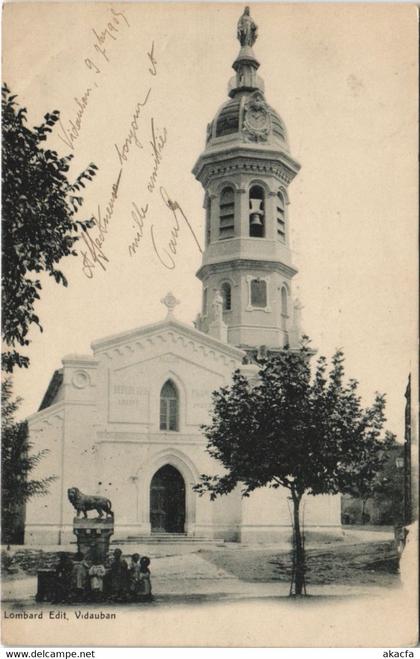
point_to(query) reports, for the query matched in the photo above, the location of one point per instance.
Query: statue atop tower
(247, 29)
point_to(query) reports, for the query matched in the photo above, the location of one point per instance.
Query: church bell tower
(245, 170)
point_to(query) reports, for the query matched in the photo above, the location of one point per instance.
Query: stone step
(167, 538)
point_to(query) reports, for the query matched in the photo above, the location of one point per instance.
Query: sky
(344, 80)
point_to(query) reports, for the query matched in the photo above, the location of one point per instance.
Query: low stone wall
(29, 561)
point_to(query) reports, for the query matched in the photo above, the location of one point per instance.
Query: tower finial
(247, 29)
(246, 64)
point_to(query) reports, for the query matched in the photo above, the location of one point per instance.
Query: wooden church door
(167, 501)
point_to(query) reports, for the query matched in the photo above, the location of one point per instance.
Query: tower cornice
(220, 162)
(246, 265)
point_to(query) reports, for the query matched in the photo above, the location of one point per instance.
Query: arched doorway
(167, 501)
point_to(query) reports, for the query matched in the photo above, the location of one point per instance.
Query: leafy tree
(38, 221)
(307, 434)
(389, 491)
(382, 484)
(16, 464)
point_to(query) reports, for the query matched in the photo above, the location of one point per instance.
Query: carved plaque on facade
(200, 399)
(128, 399)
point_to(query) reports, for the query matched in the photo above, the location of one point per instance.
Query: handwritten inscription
(109, 33)
(95, 255)
(157, 143)
(165, 238)
(153, 62)
(138, 216)
(71, 128)
(166, 253)
(124, 150)
(71, 132)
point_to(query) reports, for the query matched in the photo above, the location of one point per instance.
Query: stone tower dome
(245, 170)
(232, 121)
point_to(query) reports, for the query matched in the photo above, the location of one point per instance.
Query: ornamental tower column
(245, 170)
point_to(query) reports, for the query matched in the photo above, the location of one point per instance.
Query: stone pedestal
(93, 536)
(218, 329)
(46, 586)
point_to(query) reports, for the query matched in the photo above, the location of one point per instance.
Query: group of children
(82, 579)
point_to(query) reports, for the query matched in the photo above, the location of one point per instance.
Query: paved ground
(226, 571)
(200, 600)
(351, 534)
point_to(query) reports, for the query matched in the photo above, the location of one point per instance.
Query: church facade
(124, 421)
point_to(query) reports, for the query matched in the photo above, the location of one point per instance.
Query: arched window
(169, 406)
(259, 293)
(208, 221)
(284, 307)
(281, 217)
(227, 213)
(256, 212)
(226, 295)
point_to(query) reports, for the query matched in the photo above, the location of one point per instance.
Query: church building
(124, 421)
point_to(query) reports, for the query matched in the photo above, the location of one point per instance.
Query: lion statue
(84, 502)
